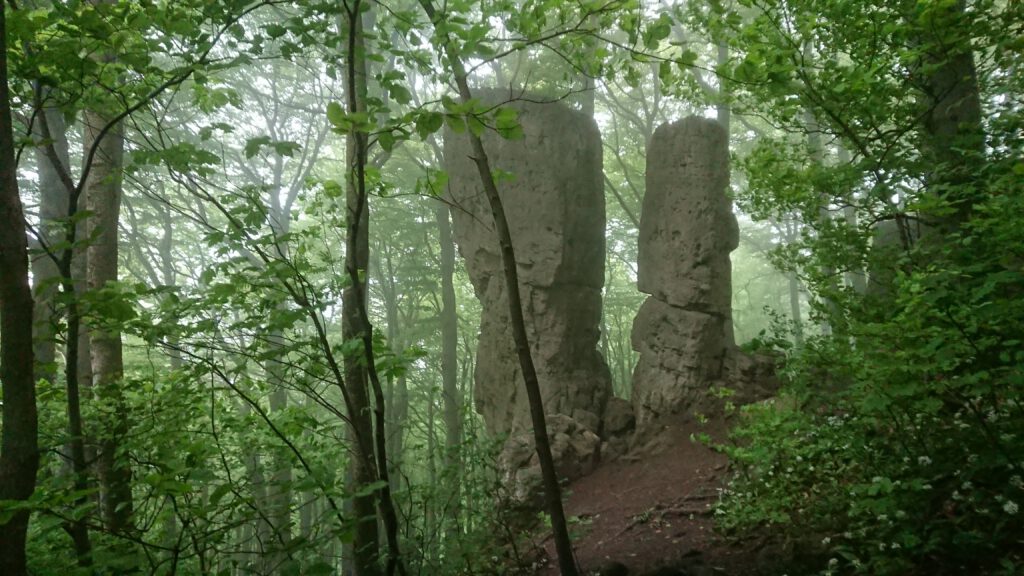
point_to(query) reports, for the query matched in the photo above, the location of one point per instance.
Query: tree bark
(366, 542)
(450, 367)
(553, 493)
(58, 202)
(794, 289)
(954, 139)
(53, 202)
(19, 450)
(356, 323)
(103, 199)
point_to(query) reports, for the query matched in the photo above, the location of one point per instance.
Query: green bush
(909, 459)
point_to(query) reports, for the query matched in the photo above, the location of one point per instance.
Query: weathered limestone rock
(687, 228)
(553, 195)
(619, 419)
(575, 450)
(683, 331)
(619, 424)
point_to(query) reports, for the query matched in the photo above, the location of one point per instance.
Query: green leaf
(657, 31)
(476, 126)
(368, 489)
(399, 93)
(319, 568)
(456, 123)
(506, 122)
(335, 114)
(288, 149)
(687, 58)
(275, 30)
(253, 145)
(386, 140)
(428, 122)
(333, 189)
(219, 492)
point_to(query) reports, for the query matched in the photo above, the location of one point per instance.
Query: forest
(512, 287)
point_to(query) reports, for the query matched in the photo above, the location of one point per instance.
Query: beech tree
(19, 452)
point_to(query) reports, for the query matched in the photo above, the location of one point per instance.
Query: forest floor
(651, 511)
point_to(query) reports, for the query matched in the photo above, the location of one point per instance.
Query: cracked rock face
(683, 331)
(553, 194)
(687, 228)
(575, 450)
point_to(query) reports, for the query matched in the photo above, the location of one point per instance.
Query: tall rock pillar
(683, 331)
(552, 189)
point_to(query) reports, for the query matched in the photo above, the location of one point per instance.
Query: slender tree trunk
(855, 277)
(587, 97)
(19, 451)
(723, 108)
(278, 502)
(793, 283)
(366, 543)
(450, 369)
(430, 527)
(53, 202)
(71, 271)
(553, 493)
(833, 321)
(56, 198)
(398, 389)
(356, 322)
(77, 371)
(255, 535)
(794, 307)
(817, 151)
(103, 200)
(170, 276)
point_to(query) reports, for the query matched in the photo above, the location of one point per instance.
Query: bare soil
(652, 510)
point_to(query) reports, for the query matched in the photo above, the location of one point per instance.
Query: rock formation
(553, 194)
(574, 448)
(683, 331)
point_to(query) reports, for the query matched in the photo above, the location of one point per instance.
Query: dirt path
(652, 510)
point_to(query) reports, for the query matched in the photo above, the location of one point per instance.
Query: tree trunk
(794, 289)
(53, 203)
(366, 543)
(19, 451)
(954, 140)
(430, 527)
(279, 495)
(278, 504)
(369, 463)
(553, 493)
(450, 368)
(77, 370)
(57, 203)
(855, 276)
(103, 199)
(398, 388)
(723, 109)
